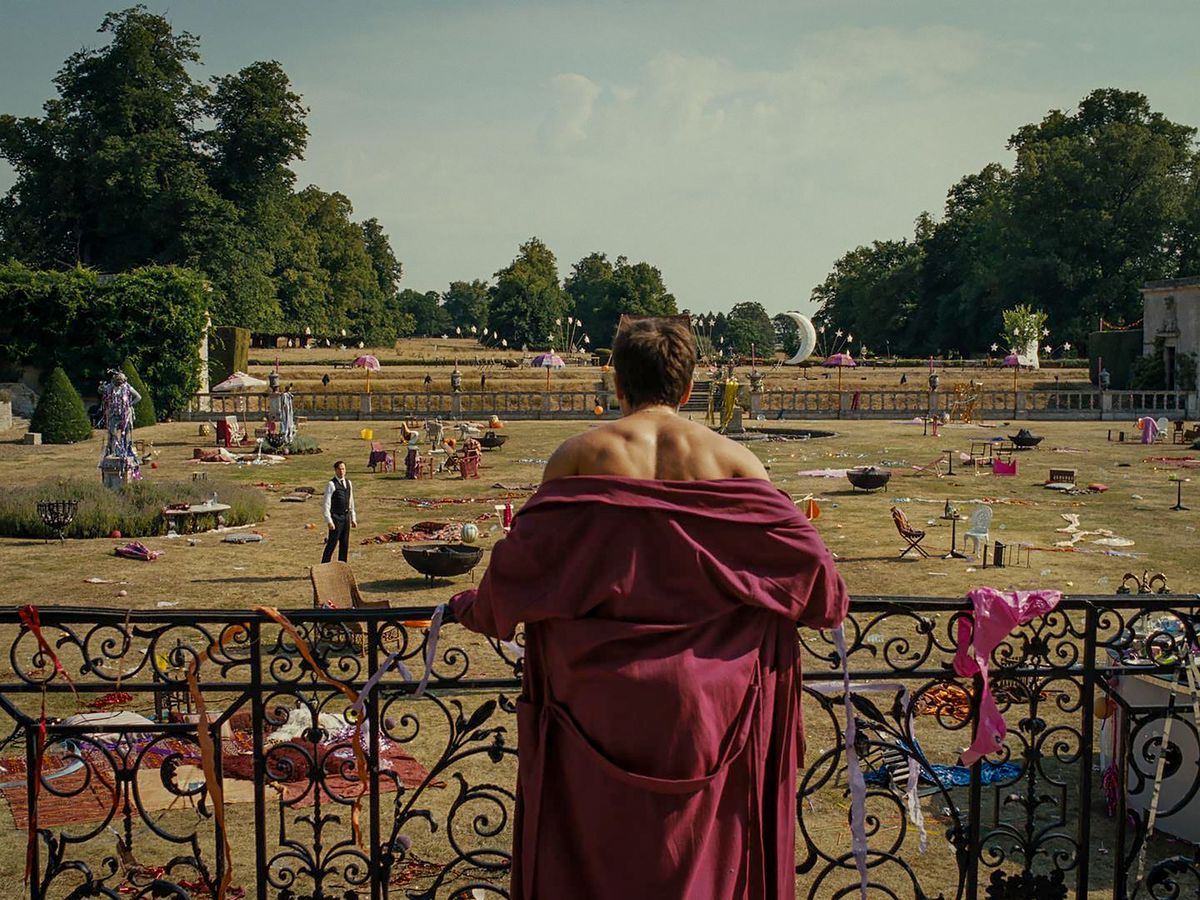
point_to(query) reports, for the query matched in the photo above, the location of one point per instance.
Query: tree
(749, 330)
(466, 302)
(429, 316)
(590, 288)
(1097, 196)
(787, 333)
(873, 292)
(111, 175)
(1023, 330)
(527, 297)
(121, 172)
(143, 412)
(964, 259)
(601, 293)
(259, 132)
(388, 269)
(59, 415)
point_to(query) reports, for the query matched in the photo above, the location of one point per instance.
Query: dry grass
(857, 527)
(304, 369)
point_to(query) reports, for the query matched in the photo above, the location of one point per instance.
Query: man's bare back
(654, 443)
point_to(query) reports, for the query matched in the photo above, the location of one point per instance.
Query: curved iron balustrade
(436, 816)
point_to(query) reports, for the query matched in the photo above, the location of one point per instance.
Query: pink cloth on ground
(996, 614)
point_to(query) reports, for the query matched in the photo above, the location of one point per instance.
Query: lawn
(201, 571)
(204, 572)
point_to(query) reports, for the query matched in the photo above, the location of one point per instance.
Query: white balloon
(808, 338)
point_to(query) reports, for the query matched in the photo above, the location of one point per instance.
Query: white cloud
(572, 98)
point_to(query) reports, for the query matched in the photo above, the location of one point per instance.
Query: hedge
(90, 323)
(60, 416)
(228, 352)
(143, 414)
(135, 510)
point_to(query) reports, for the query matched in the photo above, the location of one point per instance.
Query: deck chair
(912, 535)
(932, 468)
(380, 458)
(334, 587)
(977, 529)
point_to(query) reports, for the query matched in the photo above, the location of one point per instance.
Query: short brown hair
(654, 359)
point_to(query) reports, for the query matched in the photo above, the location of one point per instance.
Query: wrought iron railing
(122, 806)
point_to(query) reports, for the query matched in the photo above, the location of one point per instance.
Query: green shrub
(60, 415)
(143, 414)
(228, 352)
(135, 510)
(1148, 373)
(156, 314)
(301, 444)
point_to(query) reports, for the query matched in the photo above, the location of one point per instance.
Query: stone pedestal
(33, 438)
(735, 424)
(756, 394)
(115, 472)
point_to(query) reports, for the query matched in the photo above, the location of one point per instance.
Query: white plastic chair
(1163, 425)
(977, 528)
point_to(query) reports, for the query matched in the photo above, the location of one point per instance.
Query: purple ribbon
(393, 659)
(858, 785)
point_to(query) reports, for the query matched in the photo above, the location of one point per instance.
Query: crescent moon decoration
(808, 338)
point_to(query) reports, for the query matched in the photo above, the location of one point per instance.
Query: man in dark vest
(339, 513)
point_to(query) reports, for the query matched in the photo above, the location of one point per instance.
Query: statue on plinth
(119, 464)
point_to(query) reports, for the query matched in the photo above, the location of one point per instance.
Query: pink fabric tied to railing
(995, 615)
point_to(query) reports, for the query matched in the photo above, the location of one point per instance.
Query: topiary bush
(135, 510)
(143, 414)
(60, 415)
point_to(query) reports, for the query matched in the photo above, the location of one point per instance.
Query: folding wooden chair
(912, 535)
(933, 468)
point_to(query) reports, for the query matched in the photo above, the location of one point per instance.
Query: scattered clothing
(138, 550)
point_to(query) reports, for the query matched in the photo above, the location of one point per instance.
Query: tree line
(1099, 200)
(135, 164)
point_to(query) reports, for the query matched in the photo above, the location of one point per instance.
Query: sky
(740, 147)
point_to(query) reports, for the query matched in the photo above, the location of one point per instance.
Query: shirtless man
(654, 360)
(660, 578)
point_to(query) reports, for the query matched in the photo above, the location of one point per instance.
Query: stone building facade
(1171, 312)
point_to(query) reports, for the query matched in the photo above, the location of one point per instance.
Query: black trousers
(339, 536)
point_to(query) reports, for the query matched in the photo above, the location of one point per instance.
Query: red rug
(92, 804)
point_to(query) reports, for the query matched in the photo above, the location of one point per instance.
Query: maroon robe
(660, 720)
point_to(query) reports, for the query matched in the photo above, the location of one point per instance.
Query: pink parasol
(840, 360)
(371, 364)
(1015, 361)
(548, 361)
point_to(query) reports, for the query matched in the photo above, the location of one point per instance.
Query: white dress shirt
(329, 489)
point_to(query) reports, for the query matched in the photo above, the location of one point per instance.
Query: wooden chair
(912, 535)
(468, 464)
(381, 458)
(933, 468)
(981, 453)
(334, 587)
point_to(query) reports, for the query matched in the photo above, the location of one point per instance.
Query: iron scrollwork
(124, 809)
